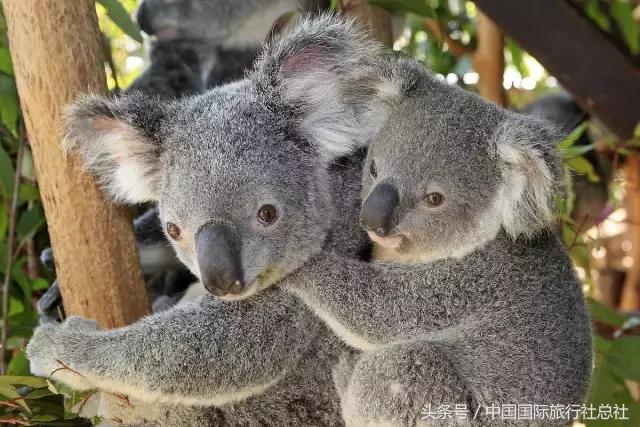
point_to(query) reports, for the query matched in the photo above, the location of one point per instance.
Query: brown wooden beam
(602, 78)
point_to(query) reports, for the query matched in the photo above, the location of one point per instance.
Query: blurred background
(480, 46)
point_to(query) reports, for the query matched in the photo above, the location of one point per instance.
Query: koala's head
(233, 23)
(449, 169)
(240, 173)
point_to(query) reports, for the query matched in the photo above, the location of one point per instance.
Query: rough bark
(56, 51)
(630, 298)
(375, 19)
(488, 60)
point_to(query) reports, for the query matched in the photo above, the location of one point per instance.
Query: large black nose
(218, 254)
(377, 209)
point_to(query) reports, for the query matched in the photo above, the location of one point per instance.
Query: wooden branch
(630, 298)
(602, 78)
(57, 53)
(375, 19)
(488, 60)
(438, 30)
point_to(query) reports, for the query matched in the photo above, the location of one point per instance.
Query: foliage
(27, 400)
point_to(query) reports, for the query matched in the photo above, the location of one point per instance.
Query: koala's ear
(531, 173)
(118, 141)
(322, 69)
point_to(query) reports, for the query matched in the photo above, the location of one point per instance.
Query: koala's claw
(47, 305)
(53, 351)
(47, 260)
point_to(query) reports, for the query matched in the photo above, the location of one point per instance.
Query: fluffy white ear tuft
(116, 145)
(531, 174)
(325, 69)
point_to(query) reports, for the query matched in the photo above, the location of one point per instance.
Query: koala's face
(242, 203)
(449, 170)
(431, 180)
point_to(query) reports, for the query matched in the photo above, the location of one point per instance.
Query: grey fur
(488, 309)
(217, 157)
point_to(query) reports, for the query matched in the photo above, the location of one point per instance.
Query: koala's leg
(208, 352)
(397, 385)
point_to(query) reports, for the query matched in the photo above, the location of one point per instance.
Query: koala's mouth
(395, 241)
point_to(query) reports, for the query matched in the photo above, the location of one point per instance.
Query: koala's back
(531, 329)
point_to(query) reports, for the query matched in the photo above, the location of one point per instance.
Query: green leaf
(582, 166)
(517, 57)
(5, 62)
(28, 192)
(419, 7)
(19, 365)
(39, 284)
(598, 16)
(4, 220)
(15, 306)
(30, 222)
(7, 173)
(606, 315)
(30, 381)
(9, 106)
(622, 12)
(573, 137)
(121, 18)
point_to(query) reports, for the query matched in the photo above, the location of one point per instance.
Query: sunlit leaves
(120, 16)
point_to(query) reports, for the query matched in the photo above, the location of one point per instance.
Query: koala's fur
(198, 44)
(486, 308)
(216, 157)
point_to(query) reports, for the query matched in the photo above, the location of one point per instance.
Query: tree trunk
(375, 19)
(630, 298)
(56, 51)
(488, 60)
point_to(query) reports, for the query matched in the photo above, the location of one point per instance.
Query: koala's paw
(56, 351)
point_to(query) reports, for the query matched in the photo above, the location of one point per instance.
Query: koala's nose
(218, 255)
(376, 211)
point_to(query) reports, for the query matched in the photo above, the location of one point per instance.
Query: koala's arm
(374, 304)
(208, 352)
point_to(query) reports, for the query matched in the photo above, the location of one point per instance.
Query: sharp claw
(48, 303)
(46, 258)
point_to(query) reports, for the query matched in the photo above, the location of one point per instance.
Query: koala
(477, 303)
(474, 300)
(250, 179)
(203, 43)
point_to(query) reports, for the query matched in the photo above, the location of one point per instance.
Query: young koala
(250, 180)
(484, 308)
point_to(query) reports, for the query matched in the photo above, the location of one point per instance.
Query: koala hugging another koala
(472, 300)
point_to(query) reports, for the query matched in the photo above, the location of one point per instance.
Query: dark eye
(373, 170)
(267, 215)
(434, 199)
(173, 231)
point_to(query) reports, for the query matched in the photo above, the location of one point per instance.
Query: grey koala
(216, 39)
(480, 305)
(251, 178)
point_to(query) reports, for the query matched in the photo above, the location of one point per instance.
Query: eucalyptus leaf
(5, 61)
(622, 12)
(9, 105)
(30, 222)
(7, 173)
(121, 18)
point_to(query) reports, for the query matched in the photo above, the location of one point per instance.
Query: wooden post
(56, 51)
(630, 298)
(375, 19)
(488, 60)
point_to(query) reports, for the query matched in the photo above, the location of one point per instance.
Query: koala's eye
(434, 199)
(373, 169)
(267, 215)
(173, 231)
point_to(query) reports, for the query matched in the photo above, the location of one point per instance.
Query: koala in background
(251, 179)
(216, 40)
